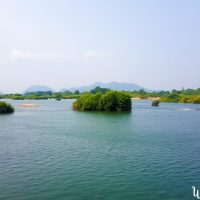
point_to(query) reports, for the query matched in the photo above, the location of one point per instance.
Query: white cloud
(24, 55)
(93, 54)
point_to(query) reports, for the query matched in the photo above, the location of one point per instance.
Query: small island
(28, 105)
(109, 101)
(155, 103)
(6, 108)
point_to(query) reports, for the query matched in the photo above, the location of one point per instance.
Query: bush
(171, 98)
(5, 108)
(191, 99)
(155, 103)
(110, 101)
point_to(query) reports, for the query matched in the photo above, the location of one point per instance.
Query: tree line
(182, 96)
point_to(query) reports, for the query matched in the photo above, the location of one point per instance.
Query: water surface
(52, 152)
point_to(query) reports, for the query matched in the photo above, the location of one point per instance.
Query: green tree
(77, 92)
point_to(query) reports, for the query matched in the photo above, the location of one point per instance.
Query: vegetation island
(155, 103)
(110, 101)
(6, 108)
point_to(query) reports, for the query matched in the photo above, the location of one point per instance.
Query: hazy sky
(66, 43)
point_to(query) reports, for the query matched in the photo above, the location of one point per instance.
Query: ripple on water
(52, 152)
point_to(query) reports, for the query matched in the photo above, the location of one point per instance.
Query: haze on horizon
(71, 43)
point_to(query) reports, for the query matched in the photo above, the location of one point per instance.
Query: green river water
(54, 153)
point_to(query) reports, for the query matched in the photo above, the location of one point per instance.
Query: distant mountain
(38, 88)
(112, 85)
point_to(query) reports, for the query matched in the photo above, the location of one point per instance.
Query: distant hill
(112, 85)
(38, 88)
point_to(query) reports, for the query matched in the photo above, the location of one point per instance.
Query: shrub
(155, 103)
(5, 108)
(190, 99)
(173, 97)
(110, 101)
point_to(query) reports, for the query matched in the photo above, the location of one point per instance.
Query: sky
(70, 43)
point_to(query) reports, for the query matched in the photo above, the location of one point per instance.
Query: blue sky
(69, 43)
